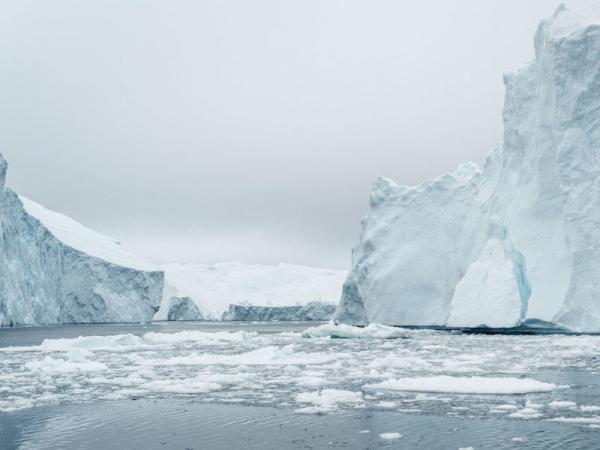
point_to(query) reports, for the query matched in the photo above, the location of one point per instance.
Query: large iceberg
(54, 270)
(517, 241)
(258, 289)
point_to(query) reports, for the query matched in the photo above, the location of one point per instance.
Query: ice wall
(53, 270)
(519, 241)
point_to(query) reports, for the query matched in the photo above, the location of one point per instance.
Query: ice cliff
(518, 240)
(213, 288)
(54, 270)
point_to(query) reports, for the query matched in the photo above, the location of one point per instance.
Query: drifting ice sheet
(466, 385)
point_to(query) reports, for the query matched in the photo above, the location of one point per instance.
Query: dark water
(190, 425)
(171, 420)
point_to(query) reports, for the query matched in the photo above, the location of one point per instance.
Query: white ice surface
(75, 235)
(214, 287)
(390, 436)
(466, 385)
(327, 400)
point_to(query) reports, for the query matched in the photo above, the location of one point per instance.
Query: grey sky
(252, 130)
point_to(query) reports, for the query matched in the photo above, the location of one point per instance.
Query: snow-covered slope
(521, 239)
(75, 235)
(215, 287)
(54, 270)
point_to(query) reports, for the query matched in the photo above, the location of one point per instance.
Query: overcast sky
(213, 130)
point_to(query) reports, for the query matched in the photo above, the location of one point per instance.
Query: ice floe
(465, 385)
(468, 375)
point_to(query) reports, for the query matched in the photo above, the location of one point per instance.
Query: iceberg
(241, 291)
(312, 311)
(182, 308)
(53, 270)
(515, 242)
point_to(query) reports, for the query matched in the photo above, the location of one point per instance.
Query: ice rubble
(54, 270)
(518, 240)
(478, 374)
(214, 287)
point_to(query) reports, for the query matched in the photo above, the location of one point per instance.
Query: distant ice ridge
(519, 239)
(54, 270)
(312, 311)
(213, 288)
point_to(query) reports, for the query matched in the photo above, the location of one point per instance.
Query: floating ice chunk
(589, 408)
(115, 343)
(199, 336)
(311, 381)
(328, 400)
(465, 385)
(577, 420)
(427, 398)
(507, 407)
(386, 405)
(390, 436)
(182, 386)
(530, 404)
(58, 366)
(372, 331)
(562, 405)
(526, 413)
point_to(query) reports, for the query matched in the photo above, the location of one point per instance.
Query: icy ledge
(53, 270)
(518, 241)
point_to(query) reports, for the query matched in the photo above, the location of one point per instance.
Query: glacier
(252, 290)
(53, 270)
(517, 241)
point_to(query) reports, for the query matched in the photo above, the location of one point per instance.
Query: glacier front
(517, 241)
(53, 270)
(252, 290)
